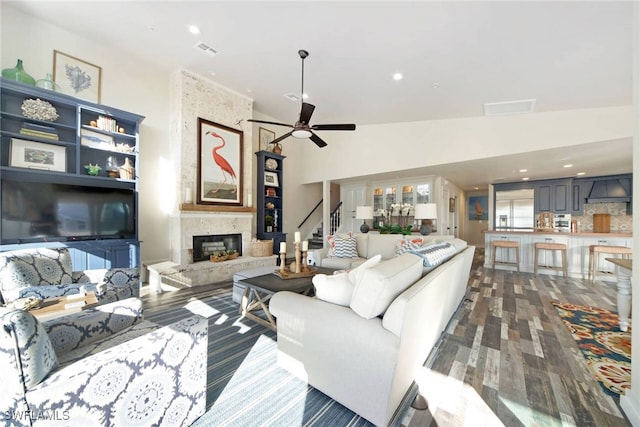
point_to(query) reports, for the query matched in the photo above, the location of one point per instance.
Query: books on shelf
(39, 131)
(107, 123)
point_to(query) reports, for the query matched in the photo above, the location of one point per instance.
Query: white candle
(188, 195)
(305, 246)
(283, 247)
(296, 237)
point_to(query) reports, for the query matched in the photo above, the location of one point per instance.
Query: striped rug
(245, 386)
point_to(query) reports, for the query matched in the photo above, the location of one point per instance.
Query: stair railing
(335, 219)
(310, 213)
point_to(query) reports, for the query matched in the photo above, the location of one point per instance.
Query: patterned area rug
(606, 348)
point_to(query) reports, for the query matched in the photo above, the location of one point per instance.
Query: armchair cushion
(34, 267)
(33, 353)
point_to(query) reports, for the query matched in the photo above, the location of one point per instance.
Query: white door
(352, 198)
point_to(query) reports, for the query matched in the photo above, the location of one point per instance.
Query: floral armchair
(47, 273)
(102, 367)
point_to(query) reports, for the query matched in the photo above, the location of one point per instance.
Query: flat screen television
(37, 212)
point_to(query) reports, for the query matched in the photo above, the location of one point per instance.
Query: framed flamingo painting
(219, 164)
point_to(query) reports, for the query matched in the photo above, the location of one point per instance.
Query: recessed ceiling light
(581, 173)
(193, 29)
(567, 166)
(436, 85)
(523, 170)
(525, 179)
(305, 96)
(397, 76)
(213, 73)
(476, 188)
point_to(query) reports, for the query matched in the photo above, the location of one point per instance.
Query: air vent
(206, 48)
(292, 97)
(509, 107)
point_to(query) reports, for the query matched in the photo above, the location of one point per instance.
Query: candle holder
(297, 269)
(305, 266)
(283, 264)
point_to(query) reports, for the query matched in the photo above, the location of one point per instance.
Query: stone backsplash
(620, 220)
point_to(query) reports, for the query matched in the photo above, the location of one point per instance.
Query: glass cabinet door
(423, 193)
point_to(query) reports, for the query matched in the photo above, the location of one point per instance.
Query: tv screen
(33, 212)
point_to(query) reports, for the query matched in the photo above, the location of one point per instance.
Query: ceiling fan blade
(269, 123)
(280, 138)
(343, 126)
(319, 142)
(306, 112)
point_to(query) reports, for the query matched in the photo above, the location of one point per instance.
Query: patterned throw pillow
(342, 246)
(407, 245)
(434, 254)
(345, 247)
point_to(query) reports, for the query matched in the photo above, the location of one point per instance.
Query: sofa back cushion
(25, 345)
(383, 244)
(338, 288)
(34, 267)
(378, 286)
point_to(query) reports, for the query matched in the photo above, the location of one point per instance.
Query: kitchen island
(577, 250)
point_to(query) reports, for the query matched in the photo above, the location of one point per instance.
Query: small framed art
(77, 77)
(265, 136)
(36, 155)
(271, 179)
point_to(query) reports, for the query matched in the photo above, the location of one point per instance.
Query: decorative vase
(277, 148)
(47, 82)
(18, 74)
(126, 170)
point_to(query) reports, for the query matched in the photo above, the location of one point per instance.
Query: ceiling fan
(302, 128)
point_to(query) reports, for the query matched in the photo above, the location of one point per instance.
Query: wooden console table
(623, 274)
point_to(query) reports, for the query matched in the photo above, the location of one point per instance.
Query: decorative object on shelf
(268, 222)
(232, 254)
(364, 213)
(277, 148)
(265, 136)
(270, 192)
(269, 205)
(39, 131)
(112, 167)
(127, 170)
(275, 221)
(271, 164)
(124, 148)
(428, 212)
(47, 83)
(18, 74)
(36, 155)
(93, 170)
(271, 179)
(218, 256)
(97, 140)
(39, 110)
(77, 77)
(219, 164)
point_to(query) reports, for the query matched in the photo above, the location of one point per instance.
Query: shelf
(106, 132)
(22, 118)
(189, 207)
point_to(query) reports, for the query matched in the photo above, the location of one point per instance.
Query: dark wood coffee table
(259, 290)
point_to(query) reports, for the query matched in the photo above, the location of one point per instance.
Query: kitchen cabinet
(579, 192)
(553, 196)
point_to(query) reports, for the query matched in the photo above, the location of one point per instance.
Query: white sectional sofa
(367, 361)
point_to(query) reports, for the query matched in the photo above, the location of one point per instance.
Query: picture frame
(77, 77)
(452, 204)
(37, 155)
(265, 136)
(97, 140)
(479, 208)
(220, 150)
(271, 179)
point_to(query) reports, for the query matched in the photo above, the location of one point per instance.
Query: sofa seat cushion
(342, 263)
(379, 285)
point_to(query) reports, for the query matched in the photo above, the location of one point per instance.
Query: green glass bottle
(18, 74)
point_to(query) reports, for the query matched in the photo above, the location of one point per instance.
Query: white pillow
(333, 288)
(380, 285)
(356, 273)
(338, 288)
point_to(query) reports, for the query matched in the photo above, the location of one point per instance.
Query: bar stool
(550, 246)
(594, 250)
(507, 244)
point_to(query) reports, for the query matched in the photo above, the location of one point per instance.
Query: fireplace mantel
(187, 207)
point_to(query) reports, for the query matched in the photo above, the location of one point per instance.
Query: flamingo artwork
(222, 163)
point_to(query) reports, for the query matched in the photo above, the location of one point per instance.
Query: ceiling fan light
(301, 133)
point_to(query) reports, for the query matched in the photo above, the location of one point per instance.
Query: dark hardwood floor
(506, 358)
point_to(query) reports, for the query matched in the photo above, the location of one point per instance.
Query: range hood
(609, 190)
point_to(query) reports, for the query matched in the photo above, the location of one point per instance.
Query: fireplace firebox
(205, 246)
